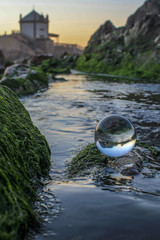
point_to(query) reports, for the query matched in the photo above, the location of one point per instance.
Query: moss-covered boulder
(24, 80)
(90, 161)
(56, 66)
(24, 158)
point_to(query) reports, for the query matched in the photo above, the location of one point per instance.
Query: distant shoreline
(115, 77)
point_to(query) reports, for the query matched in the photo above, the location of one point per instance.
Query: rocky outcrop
(90, 161)
(55, 66)
(28, 78)
(23, 79)
(24, 158)
(132, 50)
(144, 24)
(100, 35)
(150, 7)
(16, 70)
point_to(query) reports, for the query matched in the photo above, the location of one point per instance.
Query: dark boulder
(38, 59)
(2, 62)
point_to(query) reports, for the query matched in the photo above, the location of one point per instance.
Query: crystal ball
(115, 136)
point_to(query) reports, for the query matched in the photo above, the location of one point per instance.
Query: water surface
(112, 208)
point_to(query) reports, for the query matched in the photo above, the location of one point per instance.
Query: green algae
(38, 76)
(56, 66)
(87, 158)
(125, 66)
(34, 81)
(154, 151)
(90, 157)
(24, 158)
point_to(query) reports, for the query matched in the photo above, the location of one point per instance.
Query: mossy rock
(53, 66)
(121, 64)
(90, 161)
(86, 159)
(29, 85)
(24, 80)
(24, 159)
(57, 66)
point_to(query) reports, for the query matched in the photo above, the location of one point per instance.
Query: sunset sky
(74, 20)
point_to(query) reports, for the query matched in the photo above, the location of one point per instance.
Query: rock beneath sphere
(130, 164)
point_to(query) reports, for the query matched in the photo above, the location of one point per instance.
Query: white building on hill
(34, 39)
(35, 26)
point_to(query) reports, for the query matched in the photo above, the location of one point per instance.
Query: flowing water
(80, 208)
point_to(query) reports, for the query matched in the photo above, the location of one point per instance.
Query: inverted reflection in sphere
(115, 136)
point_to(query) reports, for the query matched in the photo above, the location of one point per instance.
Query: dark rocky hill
(132, 50)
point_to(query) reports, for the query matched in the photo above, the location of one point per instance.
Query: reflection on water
(115, 136)
(67, 114)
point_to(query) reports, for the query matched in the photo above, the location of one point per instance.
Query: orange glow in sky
(74, 20)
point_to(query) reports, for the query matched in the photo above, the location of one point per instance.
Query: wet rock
(16, 70)
(130, 164)
(24, 80)
(90, 160)
(60, 79)
(24, 159)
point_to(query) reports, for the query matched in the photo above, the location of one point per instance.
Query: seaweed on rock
(90, 160)
(24, 158)
(24, 80)
(87, 158)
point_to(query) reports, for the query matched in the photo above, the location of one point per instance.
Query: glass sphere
(115, 136)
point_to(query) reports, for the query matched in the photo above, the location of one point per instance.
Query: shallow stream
(80, 209)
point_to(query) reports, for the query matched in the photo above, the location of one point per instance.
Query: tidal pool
(116, 207)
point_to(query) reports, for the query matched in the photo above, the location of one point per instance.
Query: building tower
(34, 25)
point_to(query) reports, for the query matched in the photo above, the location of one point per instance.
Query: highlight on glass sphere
(115, 136)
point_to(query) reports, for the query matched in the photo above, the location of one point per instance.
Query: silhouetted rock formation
(100, 34)
(130, 50)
